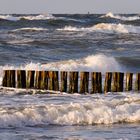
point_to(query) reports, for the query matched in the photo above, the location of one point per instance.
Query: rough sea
(90, 42)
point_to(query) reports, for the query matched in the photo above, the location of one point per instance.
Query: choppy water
(69, 42)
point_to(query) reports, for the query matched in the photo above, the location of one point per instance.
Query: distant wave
(130, 18)
(31, 29)
(33, 17)
(37, 17)
(106, 28)
(9, 17)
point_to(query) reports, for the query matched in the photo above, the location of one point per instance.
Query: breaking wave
(105, 28)
(78, 110)
(9, 17)
(33, 17)
(90, 63)
(128, 18)
(31, 29)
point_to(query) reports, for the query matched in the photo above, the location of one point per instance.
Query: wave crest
(31, 29)
(85, 110)
(33, 17)
(128, 18)
(105, 28)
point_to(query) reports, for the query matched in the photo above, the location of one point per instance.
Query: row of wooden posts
(72, 82)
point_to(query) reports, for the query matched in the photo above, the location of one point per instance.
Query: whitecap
(31, 29)
(125, 18)
(105, 28)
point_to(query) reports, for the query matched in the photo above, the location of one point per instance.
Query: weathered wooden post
(9, 79)
(53, 80)
(63, 81)
(73, 82)
(118, 79)
(108, 80)
(84, 82)
(56, 81)
(41, 80)
(46, 77)
(30, 79)
(21, 78)
(129, 81)
(96, 82)
(38, 79)
(137, 83)
(5, 78)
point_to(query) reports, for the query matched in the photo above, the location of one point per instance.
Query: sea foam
(31, 29)
(105, 28)
(80, 110)
(126, 18)
(99, 62)
(33, 17)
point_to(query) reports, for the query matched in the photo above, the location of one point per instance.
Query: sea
(70, 42)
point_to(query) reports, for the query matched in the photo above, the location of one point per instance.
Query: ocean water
(90, 42)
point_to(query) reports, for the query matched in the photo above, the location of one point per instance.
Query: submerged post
(30, 79)
(129, 81)
(137, 82)
(96, 79)
(63, 81)
(118, 79)
(84, 82)
(21, 79)
(73, 82)
(9, 79)
(108, 80)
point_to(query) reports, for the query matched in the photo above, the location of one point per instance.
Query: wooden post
(118, 79)
(30, 79)
(73, 82)
(129, 81)
(96, 79)
(53, 81)
(63, 81)
(108, 80)
(5, 77)
(21, 79)
(84, 82)
(137, 82)
(40, 80)
(46, 77)
(9, 78)
(56, 81)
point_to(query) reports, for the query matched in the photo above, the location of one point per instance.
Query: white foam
(105, 28)
(99, 62)
(31, 29)
(9, 17)
(38, 17)
(70, 28)
(130, 18)
(34, 17)
(20, 41)
(81, 110)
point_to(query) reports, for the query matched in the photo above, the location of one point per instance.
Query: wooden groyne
(72, 82)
